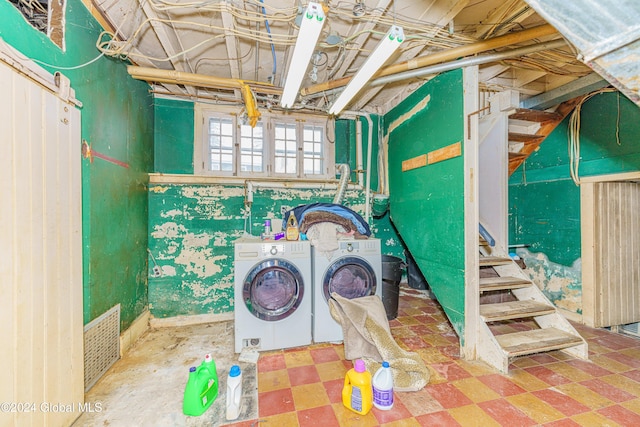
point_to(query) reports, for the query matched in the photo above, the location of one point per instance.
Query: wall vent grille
(632, 329)
(101, 345)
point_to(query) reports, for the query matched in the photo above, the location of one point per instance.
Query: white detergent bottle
(234, 392)
(383, 388)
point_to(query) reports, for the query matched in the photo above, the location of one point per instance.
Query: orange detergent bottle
(357, 393)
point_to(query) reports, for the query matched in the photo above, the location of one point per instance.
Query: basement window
(285, 146)
(46, 16)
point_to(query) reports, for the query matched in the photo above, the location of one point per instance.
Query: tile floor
(302, 386)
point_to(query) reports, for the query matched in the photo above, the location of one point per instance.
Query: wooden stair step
(501, 283)
(536, 341)
(525, 137)
(516, 156)
(514, 310)
(535, 115)
(487, 261)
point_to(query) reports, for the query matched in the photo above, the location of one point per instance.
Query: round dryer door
(273, 290)
(350, 277)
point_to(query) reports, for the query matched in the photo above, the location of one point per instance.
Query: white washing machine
(354, 270)
(272, 294)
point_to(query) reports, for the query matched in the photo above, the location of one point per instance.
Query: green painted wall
(545, 203)
(192, 227)
(173, 136)
(427, 203)
(117, 120)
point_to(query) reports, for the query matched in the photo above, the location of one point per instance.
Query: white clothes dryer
(353, 270)
(272, 294)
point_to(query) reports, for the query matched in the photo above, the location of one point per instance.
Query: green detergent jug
(201, 389)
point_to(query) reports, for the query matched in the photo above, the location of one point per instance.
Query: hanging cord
(273, 48)
(573, 135)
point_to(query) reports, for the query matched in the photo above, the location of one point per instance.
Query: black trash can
(415, 279)
(391, 276)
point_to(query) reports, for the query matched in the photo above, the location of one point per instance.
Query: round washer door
(273, 290)
(350, 277)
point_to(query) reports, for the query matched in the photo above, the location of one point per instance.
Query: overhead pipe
(199, 80)
(476, 60)
(443, 55)
(452, 65)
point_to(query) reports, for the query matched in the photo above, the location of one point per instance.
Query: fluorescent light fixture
(384, 50)
(310, 27)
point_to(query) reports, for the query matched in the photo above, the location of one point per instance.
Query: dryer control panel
(351, 247)
(272, 249)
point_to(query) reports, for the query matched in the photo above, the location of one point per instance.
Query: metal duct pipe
(478, 60)
(345, 171)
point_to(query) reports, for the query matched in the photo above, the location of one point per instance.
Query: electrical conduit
(273, 49)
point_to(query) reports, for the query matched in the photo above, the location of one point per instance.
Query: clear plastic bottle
(357, 392)
(234, 392)
(383, 387)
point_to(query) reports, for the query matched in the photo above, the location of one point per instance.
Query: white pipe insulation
(367, 214)
(356, 116)
(359, 166)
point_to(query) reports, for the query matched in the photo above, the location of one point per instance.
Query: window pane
(291, 148)
(245, 163)
(291, 132)
(227, 127)
(257, 164)
(279, 166)
(291, 165)
(227, 162)
(313, 159)
(251, 148)
(308, 133)
(221, 144)
(285, 148)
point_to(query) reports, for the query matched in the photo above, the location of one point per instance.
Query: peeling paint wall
(191, 235)
(544, 203)
(560, 283)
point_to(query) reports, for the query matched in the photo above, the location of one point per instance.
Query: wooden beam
(165, 39)
(487, 73)
(502, 19)
(198, 80)
(232, 46)
(444, 153)
(414, 163)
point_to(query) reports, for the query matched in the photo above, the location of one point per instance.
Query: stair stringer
(556, 320)
(489, 350)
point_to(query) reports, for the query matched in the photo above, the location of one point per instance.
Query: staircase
(524, 309)
(528, 128)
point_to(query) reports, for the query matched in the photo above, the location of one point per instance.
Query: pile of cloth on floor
(323, 224)
(367, 336)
